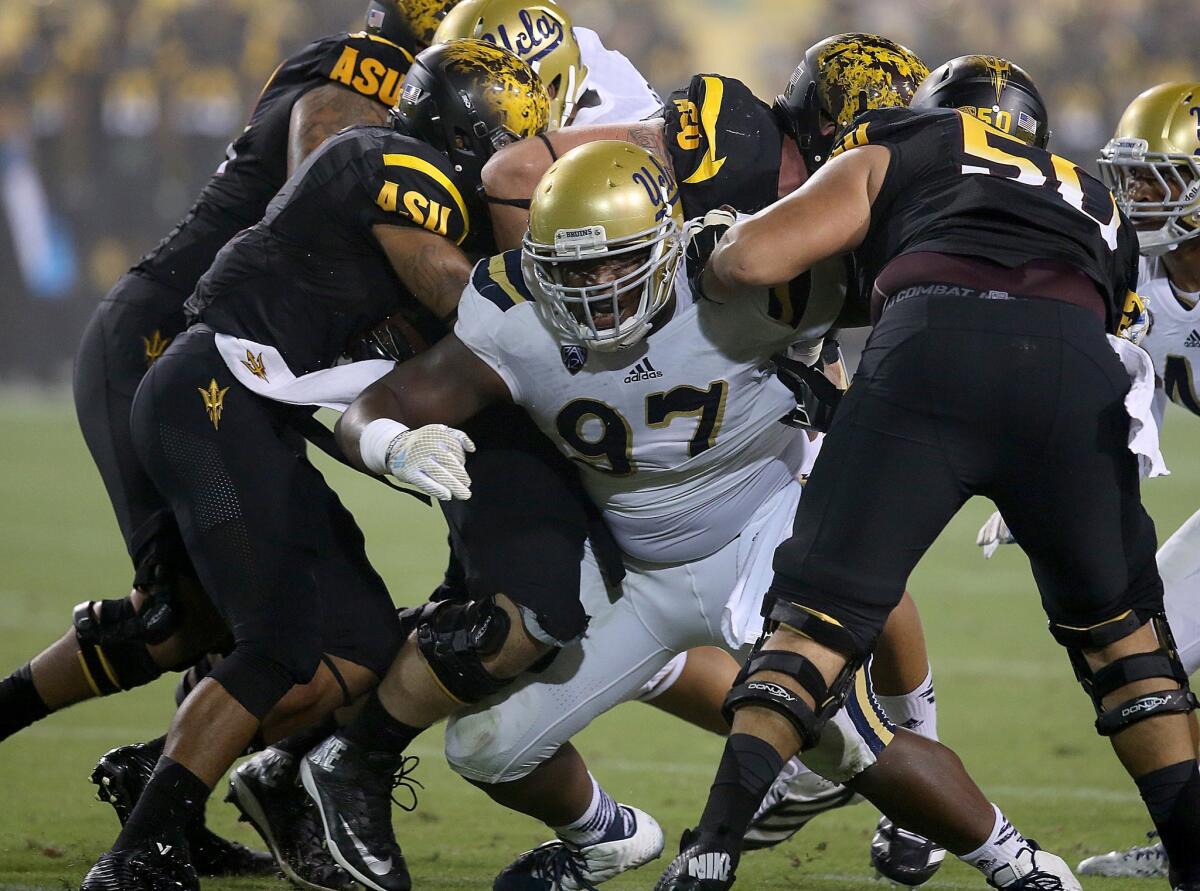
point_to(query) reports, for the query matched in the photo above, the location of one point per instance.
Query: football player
(587, 83)
(728, 148)
(166, 622)
(668, 403)
(370, 223)
(1153, 166)
(1010, 278)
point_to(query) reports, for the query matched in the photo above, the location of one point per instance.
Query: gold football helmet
(1152, 164)
(409, 23)
(539, 31)
(604, 243)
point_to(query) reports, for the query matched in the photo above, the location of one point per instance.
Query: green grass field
(1007, 699)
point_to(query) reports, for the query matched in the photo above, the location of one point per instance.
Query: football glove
(992, 534)
(432, 459)
(700, 237)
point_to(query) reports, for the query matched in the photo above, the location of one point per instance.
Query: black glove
(700, 240)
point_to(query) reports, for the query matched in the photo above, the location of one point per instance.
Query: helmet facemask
(1160, 192)
(637, 275)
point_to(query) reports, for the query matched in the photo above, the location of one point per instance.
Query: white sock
(1001, 847)
(597, 821)
(915, 711)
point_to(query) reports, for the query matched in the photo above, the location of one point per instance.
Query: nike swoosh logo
(377, 866)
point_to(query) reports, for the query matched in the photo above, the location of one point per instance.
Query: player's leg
(250, 510)
(520, 537)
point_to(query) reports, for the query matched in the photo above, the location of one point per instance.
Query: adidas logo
(1193, 339)
(713, 865)
(643, 371)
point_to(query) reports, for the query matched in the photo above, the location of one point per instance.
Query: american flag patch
(375, 18)
(1026, 122)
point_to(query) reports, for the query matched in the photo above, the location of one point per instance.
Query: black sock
(173, 798)
(1172, 796)
(298, 744)
(748, 768)
(374, 729)
(20, 704)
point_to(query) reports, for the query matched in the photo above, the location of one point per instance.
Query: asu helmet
(409, 23)
(469, 99)
(1152, 165)
(992, 89)
(603, 244)
(539, 31)
(839, 79)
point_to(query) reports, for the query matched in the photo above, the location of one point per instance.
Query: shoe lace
(560, 861)
(403, 779)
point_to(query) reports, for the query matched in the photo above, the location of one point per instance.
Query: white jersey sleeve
(1173, 339)
(614, 90)
(491, 313)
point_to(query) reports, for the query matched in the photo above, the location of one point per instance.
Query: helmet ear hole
(554, 85)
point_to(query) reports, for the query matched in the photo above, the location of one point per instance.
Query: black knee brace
(454, 637)
(808, 722)
(1162, 663)
(111, 649)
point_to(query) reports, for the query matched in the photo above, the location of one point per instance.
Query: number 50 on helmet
(603, 245)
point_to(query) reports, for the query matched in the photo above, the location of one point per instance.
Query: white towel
(1139, 403)
(260, 368)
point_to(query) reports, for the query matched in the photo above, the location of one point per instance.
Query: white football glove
(432, 460)
(992, 534)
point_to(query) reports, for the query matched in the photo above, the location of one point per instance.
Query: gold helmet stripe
(422, 166)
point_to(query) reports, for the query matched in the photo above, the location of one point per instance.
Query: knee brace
(1162, 663)
(112, 647)
(258, 678)
(454, 637)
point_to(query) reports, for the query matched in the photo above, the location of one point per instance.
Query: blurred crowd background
(114, 112)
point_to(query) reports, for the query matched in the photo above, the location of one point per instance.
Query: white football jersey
(1173, 340)
(678, 437)
(614, 90)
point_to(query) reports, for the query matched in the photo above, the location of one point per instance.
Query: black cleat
(120, 776)
(266, 791)
(352, 789)
(705, 863)
(904, 857)
(160, 865)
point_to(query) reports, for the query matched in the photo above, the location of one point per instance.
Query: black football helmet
(839, 79)
(409, 23)
(469, 99)
(992, 89)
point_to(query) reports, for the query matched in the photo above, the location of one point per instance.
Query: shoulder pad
(499, 279)
(884, 125)
(416, 181)
(368, 64)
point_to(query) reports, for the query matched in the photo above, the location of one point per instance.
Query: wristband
(373, 443)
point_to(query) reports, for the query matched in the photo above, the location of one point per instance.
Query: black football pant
(1018, 400)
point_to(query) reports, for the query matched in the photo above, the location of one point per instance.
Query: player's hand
(700, 237)
(992, 534)
(432, 459)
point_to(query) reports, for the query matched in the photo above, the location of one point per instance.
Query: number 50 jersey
(958, 186)
(677, 437)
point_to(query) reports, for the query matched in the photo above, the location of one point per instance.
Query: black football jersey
(725, 146)
(311, 274)
(958, 186)
(255, 166)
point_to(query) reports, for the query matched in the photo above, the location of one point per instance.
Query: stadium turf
(1006, 696)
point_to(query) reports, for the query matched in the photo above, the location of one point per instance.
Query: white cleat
(796, 796)
(1035, 869)
(1141, 862)
(559, 866)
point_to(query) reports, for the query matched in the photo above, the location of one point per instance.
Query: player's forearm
(376, 402)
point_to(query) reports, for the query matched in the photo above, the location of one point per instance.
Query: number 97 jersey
(677, 437)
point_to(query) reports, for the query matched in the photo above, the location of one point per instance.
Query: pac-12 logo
(538, 37)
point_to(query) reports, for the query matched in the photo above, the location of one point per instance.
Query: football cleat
(1036, 870)
(904, 857)
(120, 776)
(560, 866)
(266, 791)
(352, 790)
(705, 863)
(796, 796)
(160, 865)
(1139, 862)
